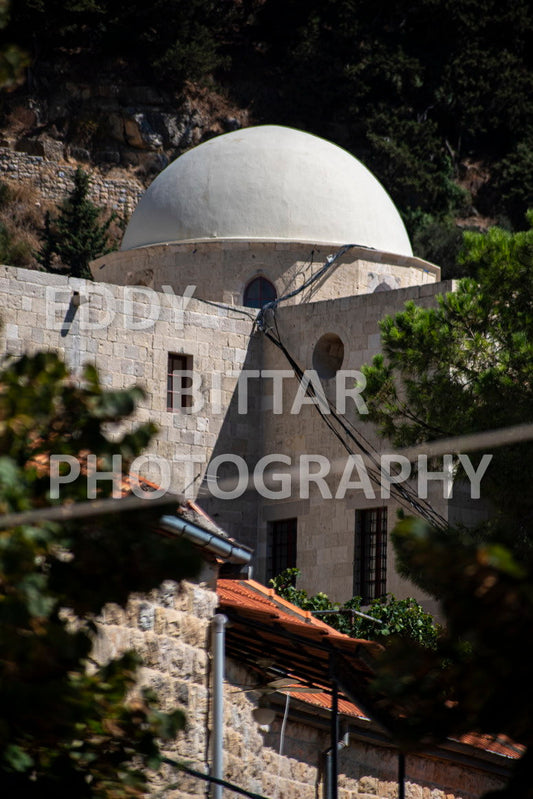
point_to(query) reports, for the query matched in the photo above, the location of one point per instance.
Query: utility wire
(404, 494)
(85, 509)
(329, 262)
(208, 778)
(226, 307)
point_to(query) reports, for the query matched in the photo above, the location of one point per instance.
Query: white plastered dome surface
(268, 183)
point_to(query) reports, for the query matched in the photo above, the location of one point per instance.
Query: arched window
(258, 292)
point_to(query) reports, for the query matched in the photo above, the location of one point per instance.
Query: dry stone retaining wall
(55, 180)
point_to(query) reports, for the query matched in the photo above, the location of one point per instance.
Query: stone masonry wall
(129, 333)
(55, 180)
(221, 269)
(326, 526)
(171, 629)
(367, 770)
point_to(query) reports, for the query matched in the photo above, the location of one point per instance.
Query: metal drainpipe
(401, 775)
(217, 764)
(334, 760)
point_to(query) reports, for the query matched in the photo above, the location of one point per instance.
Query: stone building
(261, 216)
(246, 296)
(276, 700)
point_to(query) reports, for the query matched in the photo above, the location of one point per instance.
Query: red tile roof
(266, 629)
(499, 744)
(293, 637)
(256, 601)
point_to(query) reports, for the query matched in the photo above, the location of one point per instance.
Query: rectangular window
(177, 381)
(281, 546)
(370, 562)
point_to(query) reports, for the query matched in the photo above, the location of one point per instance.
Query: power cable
(404, 494)
(208, 778)
(329, 262)
(226, 307)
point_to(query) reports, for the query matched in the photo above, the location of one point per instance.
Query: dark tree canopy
(76, 235)
(420, 91)
(69, 725)
(466, 366)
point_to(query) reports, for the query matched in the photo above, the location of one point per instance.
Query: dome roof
(268, 183)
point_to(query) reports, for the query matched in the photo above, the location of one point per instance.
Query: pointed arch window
(258, 292)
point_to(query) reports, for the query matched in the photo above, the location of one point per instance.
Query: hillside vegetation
(434, 96)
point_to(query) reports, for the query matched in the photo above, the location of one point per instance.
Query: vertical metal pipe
(217, 764)
(334, 750)
(401, 775)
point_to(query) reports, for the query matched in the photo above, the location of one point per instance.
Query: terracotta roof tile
(499, 744)
(249, 602)
(248, 596)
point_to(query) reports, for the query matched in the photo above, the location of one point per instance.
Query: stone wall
(368, 769)
(221, 269)
(55, 180)
(129, 333)
(171, 629)
(326, 525)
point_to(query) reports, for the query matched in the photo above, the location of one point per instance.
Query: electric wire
(329, 262)
(199, 775)
(405, 495)
(282, 741)
(226, 307)
(405, 491)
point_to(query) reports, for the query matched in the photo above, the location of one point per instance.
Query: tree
(76, 235)
(13, 60)
(478, 677)
(413, 90)
(68, 728)
(404, 618)
(466, 366)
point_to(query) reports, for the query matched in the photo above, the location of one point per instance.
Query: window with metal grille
(370, 563)
(281, 546)
(177, 381)
(258, 292)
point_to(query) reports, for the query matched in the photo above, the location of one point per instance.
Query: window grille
(370, 562)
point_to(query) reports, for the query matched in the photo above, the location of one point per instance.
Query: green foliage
(190, 48)
(466, 366)
(170, 39)
(76, 235)
(13, 60)
(70, 726)
(478, 677)
(511, 188)
(403, 618)
(437, 239)
(411, 89)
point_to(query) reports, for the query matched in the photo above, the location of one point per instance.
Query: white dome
(268, 183)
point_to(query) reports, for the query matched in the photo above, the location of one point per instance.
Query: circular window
(328, 355)
(258, 292)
